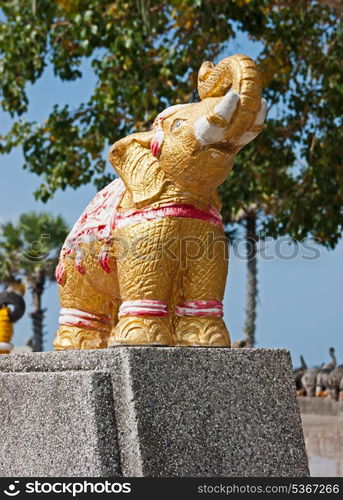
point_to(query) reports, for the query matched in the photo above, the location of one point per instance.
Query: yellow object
(146, 263)
(6, 331)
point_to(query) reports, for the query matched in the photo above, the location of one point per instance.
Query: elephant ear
(239, 74)
(144, 181)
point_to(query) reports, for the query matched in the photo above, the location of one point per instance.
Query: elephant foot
(72, 337)
(138, 330)
(206, 331)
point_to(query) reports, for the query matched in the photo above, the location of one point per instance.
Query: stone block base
(151, 411)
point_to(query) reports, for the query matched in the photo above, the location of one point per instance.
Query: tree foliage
(29, 253)
(145, 55)
(29, 246)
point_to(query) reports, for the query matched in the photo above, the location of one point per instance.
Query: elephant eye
(177, 124)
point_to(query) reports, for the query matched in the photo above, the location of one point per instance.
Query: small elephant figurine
(12, 308)
(146, 263)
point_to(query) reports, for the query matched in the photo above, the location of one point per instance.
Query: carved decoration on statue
(146, 263)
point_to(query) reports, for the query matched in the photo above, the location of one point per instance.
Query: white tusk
(261, 115)
(227, 106)
(206, 132)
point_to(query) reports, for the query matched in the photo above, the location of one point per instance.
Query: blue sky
(300, 301)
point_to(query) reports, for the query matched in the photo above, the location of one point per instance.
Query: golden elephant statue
(146, 263)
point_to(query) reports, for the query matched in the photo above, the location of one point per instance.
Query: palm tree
(28, 256)
(246, 219)
(251, 239)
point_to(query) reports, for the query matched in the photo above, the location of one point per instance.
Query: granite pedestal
(57, 424)
(156, 411)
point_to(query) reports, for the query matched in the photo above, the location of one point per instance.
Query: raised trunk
(37, 315)
(241, 76)
(251, 299)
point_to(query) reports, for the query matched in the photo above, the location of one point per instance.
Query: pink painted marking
(79, 267)
(182, 210)
(77, 313)
(67, 320)
(158, 139)
(78, 262)
(98, 219)
(143, 308)
(82, 319)
(200, 308)
(60, 273)
(105, 261)
(156, 143)
(201, 304)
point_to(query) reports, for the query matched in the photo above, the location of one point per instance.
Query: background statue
(335, 384)
(298, 375)
(324, 373)
(325, 381)
(146, 263)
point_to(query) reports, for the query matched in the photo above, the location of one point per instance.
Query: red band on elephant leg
(200, 308)
(83, 319)
(143, 308)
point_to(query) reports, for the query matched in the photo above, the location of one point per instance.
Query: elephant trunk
(239, 75)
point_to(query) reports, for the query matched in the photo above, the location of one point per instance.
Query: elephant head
(191, 147)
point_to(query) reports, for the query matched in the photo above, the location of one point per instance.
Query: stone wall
(323, 431)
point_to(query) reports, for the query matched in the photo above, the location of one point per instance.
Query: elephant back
(239, 74)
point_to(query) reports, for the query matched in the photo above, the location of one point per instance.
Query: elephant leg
(146, 270)
(198, 318)
(86, 315)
